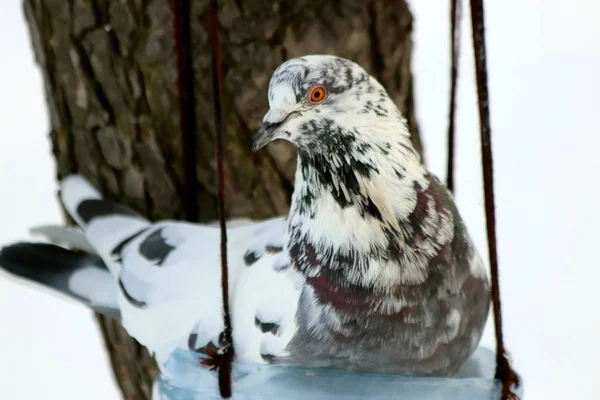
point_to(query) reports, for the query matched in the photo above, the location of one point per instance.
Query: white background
(544, 61)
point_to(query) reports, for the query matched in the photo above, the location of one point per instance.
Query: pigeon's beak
(267, 132)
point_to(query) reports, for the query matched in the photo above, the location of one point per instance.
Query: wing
(264, 296)
(108, 226)
(165, 272)
(171, 281)
(169, 278)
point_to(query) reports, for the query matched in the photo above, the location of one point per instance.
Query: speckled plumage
(393, 281)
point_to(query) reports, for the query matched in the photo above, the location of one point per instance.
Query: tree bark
(111, 87)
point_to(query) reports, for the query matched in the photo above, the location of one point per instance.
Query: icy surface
(183, 379)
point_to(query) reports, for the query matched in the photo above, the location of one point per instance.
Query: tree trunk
(111, 87)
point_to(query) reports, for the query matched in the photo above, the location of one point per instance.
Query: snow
(544, 85)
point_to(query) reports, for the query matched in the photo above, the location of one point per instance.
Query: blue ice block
(182, 378)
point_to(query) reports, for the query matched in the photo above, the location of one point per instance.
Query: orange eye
(318, 94)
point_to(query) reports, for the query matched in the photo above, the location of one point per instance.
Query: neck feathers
(366, 214)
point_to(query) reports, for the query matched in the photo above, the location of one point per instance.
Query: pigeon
(372, 270)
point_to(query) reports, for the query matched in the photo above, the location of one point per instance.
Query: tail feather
(106, 224)
(81, 276)
(65, 236)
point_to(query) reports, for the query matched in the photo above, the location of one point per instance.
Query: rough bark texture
(110, 81)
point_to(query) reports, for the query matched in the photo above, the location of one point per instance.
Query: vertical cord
(504, 371)
(227, 356)
(187, 105)
(455, 14)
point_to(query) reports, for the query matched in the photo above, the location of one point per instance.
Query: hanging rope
(504, 371)
(187, 119)
(187, 105)
(227, 355)
(455, 14)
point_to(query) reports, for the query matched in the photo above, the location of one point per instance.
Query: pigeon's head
(357, 168)
(322, 102)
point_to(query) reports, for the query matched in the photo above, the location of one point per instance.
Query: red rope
(455, 13)
(227, 356)
(187, 105)
(504, 371)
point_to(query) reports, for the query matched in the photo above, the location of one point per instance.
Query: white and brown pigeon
(372, 270)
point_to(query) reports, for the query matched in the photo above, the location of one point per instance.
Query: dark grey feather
(94, 208)
(52, 266)
(155, 248)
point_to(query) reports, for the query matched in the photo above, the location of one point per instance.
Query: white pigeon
(372, 270)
